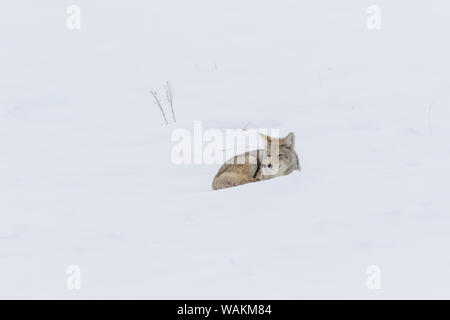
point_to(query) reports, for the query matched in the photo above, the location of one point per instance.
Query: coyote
(277, 159)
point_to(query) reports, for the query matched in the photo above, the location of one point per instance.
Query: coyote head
(279, 157)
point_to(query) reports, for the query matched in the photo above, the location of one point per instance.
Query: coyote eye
(279, 156)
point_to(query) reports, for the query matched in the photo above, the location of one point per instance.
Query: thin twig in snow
(169, 96)
(158, 103)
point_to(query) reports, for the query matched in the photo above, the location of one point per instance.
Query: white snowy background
(86, 176)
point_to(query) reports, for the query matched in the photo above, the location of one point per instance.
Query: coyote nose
(270, 165)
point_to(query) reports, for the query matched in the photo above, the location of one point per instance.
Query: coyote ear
(289, 140)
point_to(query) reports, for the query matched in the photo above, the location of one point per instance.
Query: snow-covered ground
(86, 176)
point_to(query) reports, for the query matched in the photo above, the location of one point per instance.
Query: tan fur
(254, 165)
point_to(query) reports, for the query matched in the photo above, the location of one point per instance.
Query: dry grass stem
(169, 96)
(158, 103)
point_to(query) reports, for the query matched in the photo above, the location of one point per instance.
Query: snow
(86, 176)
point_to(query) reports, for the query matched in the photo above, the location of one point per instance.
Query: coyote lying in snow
(277, 159)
